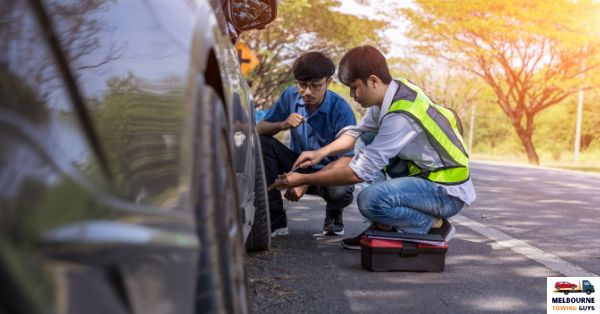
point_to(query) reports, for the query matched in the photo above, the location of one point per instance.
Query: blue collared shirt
(320, 127)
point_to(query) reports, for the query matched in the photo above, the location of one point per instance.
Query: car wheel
(259, 238)
(566, 292)
(222, 283)
(588, 292)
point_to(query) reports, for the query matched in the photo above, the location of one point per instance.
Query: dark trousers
(279, 159)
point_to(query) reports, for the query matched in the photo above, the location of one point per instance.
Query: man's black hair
(313, 65)
(360, 63)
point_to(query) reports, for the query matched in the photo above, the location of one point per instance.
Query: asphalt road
(526, 224)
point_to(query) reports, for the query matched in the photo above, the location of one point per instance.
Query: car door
(99, 178)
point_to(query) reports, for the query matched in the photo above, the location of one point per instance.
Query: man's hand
(294, 120)
(294, 194)
(287, 180)
(308, 159)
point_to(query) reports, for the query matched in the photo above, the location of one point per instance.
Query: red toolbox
(393, 251)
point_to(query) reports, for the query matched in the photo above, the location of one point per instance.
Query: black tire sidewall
(259, 238)
(222, 283)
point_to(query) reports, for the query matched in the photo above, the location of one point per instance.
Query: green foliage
(302, 26)
(15, 92)
(531, 53)
(555, 134)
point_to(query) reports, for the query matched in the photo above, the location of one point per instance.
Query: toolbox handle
(409, 249)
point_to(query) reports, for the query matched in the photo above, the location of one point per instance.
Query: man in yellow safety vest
(404, 136)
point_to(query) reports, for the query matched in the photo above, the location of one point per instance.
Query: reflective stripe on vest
(441, 127)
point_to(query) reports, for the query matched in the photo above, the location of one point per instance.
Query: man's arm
(335, 173)
(341, 175)
(341, 145)
(310, 158)
(268, 128)
(272, 128)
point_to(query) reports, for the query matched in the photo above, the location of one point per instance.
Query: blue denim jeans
(410, 204)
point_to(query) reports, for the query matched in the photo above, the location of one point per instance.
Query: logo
(573, 294)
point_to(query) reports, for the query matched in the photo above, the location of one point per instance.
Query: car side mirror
(250, 14)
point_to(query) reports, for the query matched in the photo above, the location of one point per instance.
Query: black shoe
(338, 224)
(333, 224)
(446, 230)
(328, 226)
(354, 243)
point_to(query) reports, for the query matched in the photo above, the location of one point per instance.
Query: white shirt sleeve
(395, 132)
(369, 123)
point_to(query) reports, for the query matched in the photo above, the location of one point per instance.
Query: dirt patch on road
(270, 286)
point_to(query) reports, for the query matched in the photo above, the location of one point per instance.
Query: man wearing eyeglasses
(313, 115)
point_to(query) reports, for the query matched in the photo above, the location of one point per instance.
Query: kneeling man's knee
(340, 196)
(366, 201)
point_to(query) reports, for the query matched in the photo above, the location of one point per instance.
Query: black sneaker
(354, 243)
(338, 224)
(333, 224)
(328, 225)
(446, 230)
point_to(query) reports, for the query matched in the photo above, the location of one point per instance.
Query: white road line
(591, 175)
(551, 261)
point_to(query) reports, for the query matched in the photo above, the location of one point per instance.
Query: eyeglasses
(315, 87)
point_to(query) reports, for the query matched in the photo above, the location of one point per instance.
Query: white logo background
(578, 307)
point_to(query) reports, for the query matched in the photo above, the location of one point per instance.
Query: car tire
(259, 238)
(221, 281)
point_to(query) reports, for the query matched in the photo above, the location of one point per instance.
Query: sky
(396, 33)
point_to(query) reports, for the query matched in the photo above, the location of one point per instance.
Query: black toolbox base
(399, 255)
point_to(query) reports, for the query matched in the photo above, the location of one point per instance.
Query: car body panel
(100, 215)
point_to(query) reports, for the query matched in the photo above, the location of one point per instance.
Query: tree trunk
(525, 138)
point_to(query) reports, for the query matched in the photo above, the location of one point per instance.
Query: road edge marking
(538, 167)
(549, 260)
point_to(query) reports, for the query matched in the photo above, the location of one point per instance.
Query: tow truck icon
(567, 287)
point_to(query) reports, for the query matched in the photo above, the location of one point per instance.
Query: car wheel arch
(212, 76)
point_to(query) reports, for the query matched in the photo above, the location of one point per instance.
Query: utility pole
(578, 123)
(472, 126)
(578, 126)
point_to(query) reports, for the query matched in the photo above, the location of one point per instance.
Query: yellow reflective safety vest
(443, 131)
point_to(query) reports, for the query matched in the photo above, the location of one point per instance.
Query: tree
(531, 53)
(301, 26)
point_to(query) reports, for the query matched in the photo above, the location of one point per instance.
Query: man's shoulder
(336, 97)
(288, 97)
(338, 102)
(290, 92)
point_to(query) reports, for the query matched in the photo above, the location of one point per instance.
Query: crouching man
(415, 141)
(314, 115)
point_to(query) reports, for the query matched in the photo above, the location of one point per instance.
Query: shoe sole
(333, 233)
(350, 247)
(280, 232)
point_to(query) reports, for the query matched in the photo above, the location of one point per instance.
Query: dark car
(131, 179)
(564, 285)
